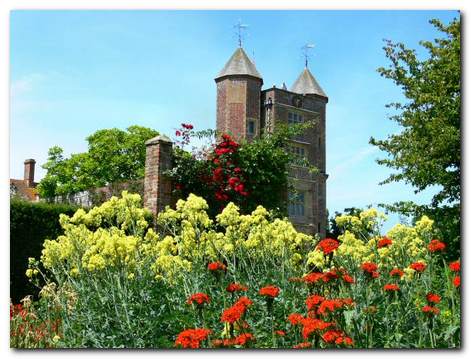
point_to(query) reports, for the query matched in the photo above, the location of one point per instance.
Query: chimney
(29, 172)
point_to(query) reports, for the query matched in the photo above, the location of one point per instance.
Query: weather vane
(240, 27)
(305, 49)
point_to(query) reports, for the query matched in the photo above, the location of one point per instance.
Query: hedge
(30, 224)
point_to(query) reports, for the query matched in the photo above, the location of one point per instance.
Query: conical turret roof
(307, 84)
(239, 64)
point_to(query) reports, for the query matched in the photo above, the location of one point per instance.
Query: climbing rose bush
(243, 281)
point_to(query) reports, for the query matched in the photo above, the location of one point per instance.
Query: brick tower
(239, 87)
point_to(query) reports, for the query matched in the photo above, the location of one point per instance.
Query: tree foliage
(246, 173)
(427, 151)
(113, 156)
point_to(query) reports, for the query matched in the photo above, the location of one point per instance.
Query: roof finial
(305, 50)
(240, 27)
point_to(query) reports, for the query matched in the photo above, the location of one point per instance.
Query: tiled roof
(307, 84)
(239, 64)
(28, 193)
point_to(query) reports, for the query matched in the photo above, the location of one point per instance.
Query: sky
(74, 72)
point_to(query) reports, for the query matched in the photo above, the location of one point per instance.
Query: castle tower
(238, 97)
(305, 101)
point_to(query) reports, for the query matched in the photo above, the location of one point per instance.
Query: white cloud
(24, 84)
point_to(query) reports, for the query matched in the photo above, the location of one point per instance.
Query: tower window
(294, 118)
(251, 127)
(298, 151)
(318, 227)
(296, 204)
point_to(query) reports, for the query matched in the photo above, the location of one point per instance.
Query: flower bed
(244, 281)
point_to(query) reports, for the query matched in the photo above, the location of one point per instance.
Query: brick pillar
(157, 186)
(29, 172)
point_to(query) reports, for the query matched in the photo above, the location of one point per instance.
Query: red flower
(369, 267)
(418, 266)
(396, 272)
(239, 188)
(295, 318)
(269, 291)
(348, 279)
(237, 170)
(391, 288)
(435, 246)
(187, 126)
(384, 242)
(217, 174)
(313, 300)
(332, 335)
(455, 266)
(311, 325)
(226, 137)
(191, 338)
(215, 266)
(221, 196)
(233, 181)
(457, 281)
(244, 338)
(330, 305)
(236, 312)
(236, 287)
(280, 333)
(313, 277)
(178, 133)
(303, 345)
(328, 245)
(328, 276)
(430, 310)
(199, 299)
(433, 298)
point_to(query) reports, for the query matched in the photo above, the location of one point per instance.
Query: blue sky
(74, 72)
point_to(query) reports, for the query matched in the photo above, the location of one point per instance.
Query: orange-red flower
(455, 266)
(191, 338)
(328, 245)
(270, 291)
(234, 313)
(418, 266)
(391, 288)
(244, 338)
(330, 305)
(348, 279)
(384, 242)
(303, 345)
(396, 272)
(435, 246)
(433, 298)
(280, 333)
(313, 300)
(430, 310)
(311, 325)
(457, 281)
(215, 266)
(236, 287)
(337, 337)
(295, 318)
(199, 299)
(369, 267)
(313, 278)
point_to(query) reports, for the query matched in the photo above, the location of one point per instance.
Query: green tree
(113, 156)
(427, 152)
